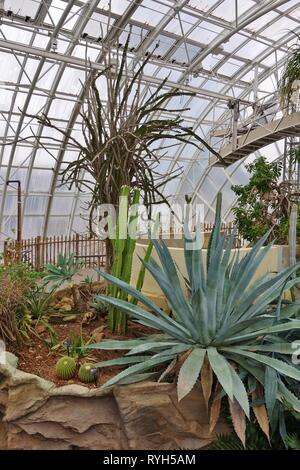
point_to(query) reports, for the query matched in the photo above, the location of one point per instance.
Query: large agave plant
(225, 331)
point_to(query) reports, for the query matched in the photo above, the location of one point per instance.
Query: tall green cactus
(124, 246)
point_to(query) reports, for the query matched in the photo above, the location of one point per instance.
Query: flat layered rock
(36, 414)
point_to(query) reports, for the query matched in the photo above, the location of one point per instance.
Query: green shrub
(263, 203)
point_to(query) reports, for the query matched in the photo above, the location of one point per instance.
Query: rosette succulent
(226, 332)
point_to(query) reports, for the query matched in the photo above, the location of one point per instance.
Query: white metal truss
(188, 17)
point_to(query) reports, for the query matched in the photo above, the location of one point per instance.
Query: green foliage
(76, 345)
(88, 281)
(22, 273)
(17, 282)
(255, 440)
(263, 203)
(125, 132)
(66, 368)
(293, 442)
(99, 306)
(63, 271)
(38, 301)
(291, 74)
(226, 324)
(85, 373)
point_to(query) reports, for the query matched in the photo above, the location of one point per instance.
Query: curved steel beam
(26, 104)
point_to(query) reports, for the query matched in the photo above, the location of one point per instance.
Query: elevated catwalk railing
(240, 139)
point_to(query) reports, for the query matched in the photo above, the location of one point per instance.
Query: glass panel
(32, 226)
(62, 205)
(148, 10)
(252, 49)
(23, 7)
(40, 181)
(97, 26)
(35, 205)
(231, 67)
(205, 32)
(183, 22)
(58, 225)
(262, 21)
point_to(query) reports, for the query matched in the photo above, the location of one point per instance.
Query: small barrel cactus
(66, 367)
(86, 372)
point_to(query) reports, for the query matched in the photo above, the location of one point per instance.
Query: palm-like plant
(225, 331)
(64, 271)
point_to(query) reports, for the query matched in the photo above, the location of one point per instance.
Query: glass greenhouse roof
(217, 48)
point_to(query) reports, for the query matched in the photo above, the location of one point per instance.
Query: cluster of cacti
(123, 240)
(66, 368)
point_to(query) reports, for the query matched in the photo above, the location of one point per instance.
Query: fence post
(38, 253)
(77, 245)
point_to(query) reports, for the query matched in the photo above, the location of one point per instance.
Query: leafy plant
(76, 345)
(225, 333)
(64, 271)
(264, 203)
(16, 284)
(290, 77)
(38, 301)
(255, 440)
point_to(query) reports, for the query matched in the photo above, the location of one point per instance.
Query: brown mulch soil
(37, 359)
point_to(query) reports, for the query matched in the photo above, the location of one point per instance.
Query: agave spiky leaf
(240, 326)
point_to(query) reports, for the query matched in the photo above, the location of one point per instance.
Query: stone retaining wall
(36, 414)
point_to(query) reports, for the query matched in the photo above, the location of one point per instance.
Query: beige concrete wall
(275, 260)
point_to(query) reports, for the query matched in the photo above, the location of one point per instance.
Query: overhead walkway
(257, 138)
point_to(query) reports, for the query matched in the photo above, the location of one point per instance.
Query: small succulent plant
(66, 367)
(87, 372)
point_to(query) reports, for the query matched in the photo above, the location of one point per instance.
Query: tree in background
(264, 202)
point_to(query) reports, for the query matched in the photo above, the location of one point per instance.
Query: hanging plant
(290, 80)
